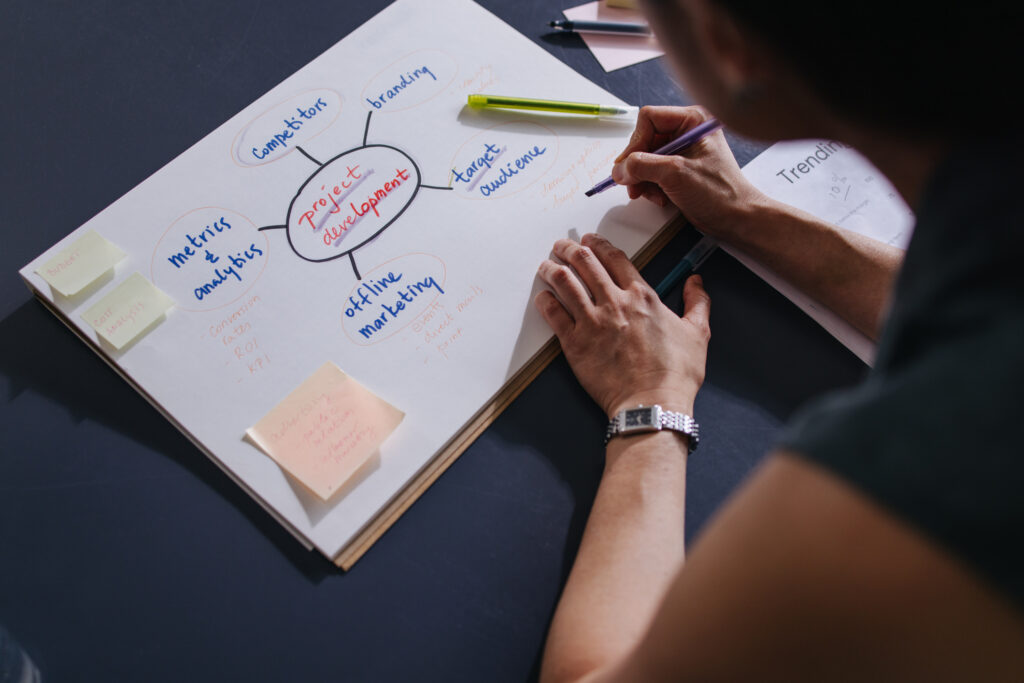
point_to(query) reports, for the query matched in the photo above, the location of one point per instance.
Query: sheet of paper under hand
(325, 430)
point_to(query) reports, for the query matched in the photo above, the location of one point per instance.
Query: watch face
(639, 417)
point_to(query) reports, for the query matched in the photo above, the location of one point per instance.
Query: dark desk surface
(196, 582)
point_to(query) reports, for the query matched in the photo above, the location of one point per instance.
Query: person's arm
(628, 349)
(798, 578)
(802, 578)
(847, 272)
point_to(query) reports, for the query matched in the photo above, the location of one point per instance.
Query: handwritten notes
(133, 308)
(325, 430)
(81, 264)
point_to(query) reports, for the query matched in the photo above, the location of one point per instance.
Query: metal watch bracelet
(644, 419)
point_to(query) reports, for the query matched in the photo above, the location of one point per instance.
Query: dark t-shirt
(934, 434)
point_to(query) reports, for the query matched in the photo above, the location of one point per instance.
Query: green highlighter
(500, 102)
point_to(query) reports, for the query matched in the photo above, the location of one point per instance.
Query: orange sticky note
(325, 430)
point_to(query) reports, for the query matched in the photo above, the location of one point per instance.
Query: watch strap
(657, 420)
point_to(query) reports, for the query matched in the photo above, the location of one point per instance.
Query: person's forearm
(849, 273)
(631, 549)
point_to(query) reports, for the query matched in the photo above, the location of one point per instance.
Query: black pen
(615, 27)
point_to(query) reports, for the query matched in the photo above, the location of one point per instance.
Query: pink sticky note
(325, 430)
(614, 52)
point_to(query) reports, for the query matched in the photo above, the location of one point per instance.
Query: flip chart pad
(79, 265)
(325, 430)
(361, 214)
(127, 312)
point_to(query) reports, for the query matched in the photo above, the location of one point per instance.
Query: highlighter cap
(477, 100)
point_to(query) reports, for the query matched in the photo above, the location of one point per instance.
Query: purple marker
(688, 138)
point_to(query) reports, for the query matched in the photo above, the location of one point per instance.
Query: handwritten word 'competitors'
(403, 81)
(285, 126)
(821, 153)
(493, 168)
(291, 125)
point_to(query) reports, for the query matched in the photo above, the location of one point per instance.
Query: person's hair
(929, 68)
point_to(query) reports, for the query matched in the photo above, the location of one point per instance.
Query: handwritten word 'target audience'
(487, 175)
(291, 124)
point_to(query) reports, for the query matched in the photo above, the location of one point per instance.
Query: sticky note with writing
(133, 308)
(81, 264)
(325, 430)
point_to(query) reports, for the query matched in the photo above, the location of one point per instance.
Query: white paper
(354, 153)
(835, 183)
(614, 52)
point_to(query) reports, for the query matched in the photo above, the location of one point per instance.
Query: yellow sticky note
(133, 308)
(81, 264)
(325, 430)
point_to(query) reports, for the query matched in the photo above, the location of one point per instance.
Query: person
(880, 540)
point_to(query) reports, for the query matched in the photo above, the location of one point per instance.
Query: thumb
(641, 167)
(697, 304)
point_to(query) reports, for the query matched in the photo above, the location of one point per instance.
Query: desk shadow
(38, 352)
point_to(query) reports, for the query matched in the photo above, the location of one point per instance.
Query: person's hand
(703, 181)
(625, 346)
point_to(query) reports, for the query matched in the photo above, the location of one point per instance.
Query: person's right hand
(703, 181)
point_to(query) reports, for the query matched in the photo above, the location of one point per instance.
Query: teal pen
(691, 262)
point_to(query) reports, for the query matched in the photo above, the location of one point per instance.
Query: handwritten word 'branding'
(395, 90)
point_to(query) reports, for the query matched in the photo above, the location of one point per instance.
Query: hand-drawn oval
(208, 258)
(350, 200)
(503, 159)
(410, 81)
(391, 297)
(277, 131)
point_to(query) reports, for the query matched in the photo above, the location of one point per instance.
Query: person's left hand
(626, 347)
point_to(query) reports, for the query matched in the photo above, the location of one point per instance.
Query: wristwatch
(652, 419)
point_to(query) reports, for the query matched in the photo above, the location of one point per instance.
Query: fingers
(657, 125)
(697, 305)
(567, 287)
(647, 167)
(622, 271)
(589, 267)
(554, 313)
